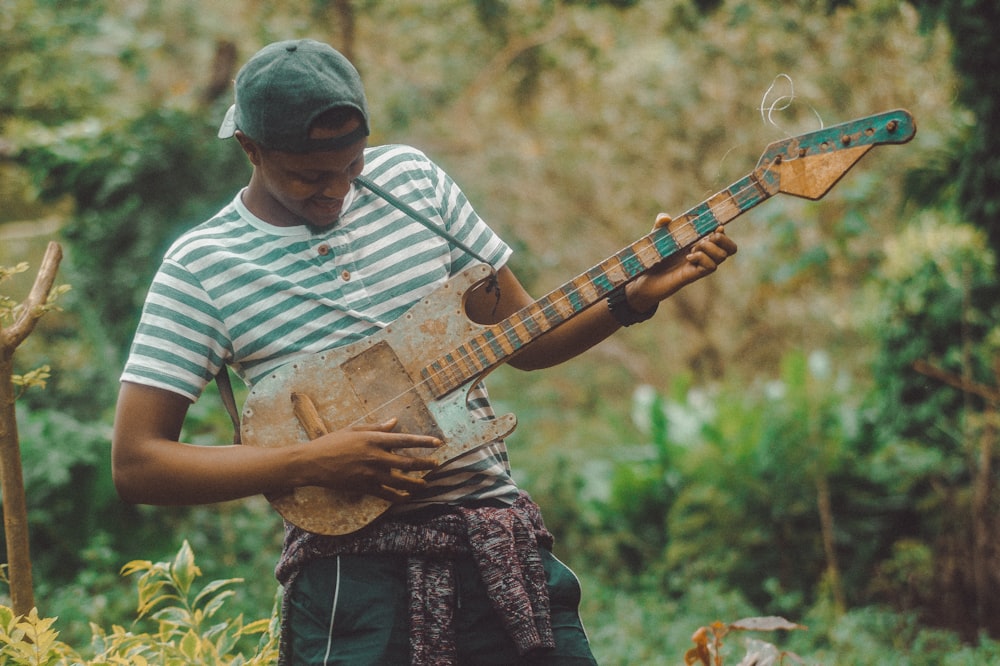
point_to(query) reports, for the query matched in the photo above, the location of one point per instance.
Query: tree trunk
(984, 520)
(829, 543)
(344, 17)
(15, 509)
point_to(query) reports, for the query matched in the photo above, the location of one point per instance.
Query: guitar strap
(222, 377)
(403, 206)
(229, 400)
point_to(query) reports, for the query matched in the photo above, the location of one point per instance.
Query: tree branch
(34, 305)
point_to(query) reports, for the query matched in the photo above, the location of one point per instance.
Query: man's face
(307, 188)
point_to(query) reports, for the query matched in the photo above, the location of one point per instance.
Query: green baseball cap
(285, 86)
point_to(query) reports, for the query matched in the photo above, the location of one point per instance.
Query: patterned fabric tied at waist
(504, 543)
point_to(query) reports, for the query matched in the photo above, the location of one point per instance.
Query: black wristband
(624, 313)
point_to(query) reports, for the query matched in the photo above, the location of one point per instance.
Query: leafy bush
(932, 423)
(186, 626)
(727, 486)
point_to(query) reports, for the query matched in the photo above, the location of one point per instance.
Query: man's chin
(317, 227)
(321, 219)
(318, 219)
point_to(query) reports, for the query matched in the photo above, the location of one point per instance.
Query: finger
(702, 262)
(396, 440)
(720, 238)
(715, 253)
(390, 494)
(725, 242)
(400, 480)
(392, 484)
(393, 442)
(399, 487)
(718, 246)
(385, 426)
(410, 463)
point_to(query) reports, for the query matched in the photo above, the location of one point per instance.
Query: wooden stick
(307, 414)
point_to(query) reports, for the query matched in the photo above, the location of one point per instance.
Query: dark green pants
(368, 604)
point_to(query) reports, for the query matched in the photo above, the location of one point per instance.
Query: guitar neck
(498, 342)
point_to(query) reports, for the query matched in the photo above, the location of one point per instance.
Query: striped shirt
(238, 290)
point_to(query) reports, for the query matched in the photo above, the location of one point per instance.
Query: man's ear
(249, 147)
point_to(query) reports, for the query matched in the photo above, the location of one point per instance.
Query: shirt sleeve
(180, 342)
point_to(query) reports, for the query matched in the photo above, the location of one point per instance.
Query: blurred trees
(935, 399)
(974, 183)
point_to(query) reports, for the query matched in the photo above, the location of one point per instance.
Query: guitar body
(372, 381)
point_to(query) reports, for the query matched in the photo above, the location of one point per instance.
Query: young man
(303, 260)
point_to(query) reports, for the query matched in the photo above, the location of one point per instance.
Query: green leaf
(212, 588)
(191, 646)
(183, 568)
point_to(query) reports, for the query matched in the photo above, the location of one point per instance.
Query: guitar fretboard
(497, 343)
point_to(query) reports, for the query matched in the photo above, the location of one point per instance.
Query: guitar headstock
(810, 164)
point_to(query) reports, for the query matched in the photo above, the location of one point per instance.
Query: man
(303, 260)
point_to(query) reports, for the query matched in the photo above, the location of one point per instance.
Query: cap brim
(228, 127)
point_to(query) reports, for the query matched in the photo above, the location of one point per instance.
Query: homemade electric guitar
(421, 367)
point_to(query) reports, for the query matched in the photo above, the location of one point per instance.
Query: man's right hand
(368, 459)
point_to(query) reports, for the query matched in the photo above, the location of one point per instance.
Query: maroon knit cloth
(503, 541)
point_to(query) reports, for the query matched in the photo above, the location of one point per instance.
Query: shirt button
(323, 250)
(345, 275)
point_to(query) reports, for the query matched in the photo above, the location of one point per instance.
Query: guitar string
(782, 102)
(504, 327)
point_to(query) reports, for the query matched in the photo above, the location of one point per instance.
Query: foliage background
(765, 446)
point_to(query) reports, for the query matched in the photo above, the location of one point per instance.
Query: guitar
(420, 368)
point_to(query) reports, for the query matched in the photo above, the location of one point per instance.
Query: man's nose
(337, 187)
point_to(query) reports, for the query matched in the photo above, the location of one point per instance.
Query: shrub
(185, 626)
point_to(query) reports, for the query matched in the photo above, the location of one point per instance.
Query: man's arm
(596, 323)
(150, 465)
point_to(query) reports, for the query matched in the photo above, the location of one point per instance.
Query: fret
(490, 338)
(521, 330)
(629, 258)
(463, 362)
(509, 341)
(585, 292)
(757, 188)
(562, 306)
(548, 310)
(530, 322)
(664, 242)
(575, 297)
(606, 275)
(451, 370)
(483, 359)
